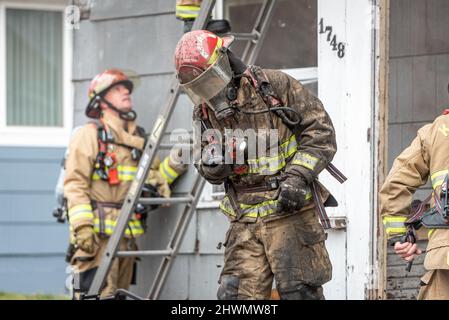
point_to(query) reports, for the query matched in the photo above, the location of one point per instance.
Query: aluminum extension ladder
(252, 49)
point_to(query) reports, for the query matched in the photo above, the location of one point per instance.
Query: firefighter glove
(86, 239)
(293, 193)
(156, 179)
(219, 171)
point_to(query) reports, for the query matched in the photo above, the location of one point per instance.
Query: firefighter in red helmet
(274, 227)
(100, 166)
(99, 87)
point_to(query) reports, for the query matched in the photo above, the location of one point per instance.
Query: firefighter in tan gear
(188, 11)
(274, 229)
(426, 157)
(101, 164)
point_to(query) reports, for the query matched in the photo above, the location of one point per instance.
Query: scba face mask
(221, 104)
(214, 87)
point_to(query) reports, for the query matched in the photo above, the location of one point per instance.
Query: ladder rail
(259, 32)
(251, 52)
(175, 241)
(182, 224)
(252, 49)
(148, 156)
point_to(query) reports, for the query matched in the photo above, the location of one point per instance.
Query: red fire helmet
(100, 84)
(196, 52)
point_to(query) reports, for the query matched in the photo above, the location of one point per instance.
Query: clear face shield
(210, 87)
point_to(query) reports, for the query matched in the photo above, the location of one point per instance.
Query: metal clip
(272, 183)
(135, 154)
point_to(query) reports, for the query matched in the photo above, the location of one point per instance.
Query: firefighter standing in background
(101, 164)
(188, 11)
(427, 156)
(274, 230)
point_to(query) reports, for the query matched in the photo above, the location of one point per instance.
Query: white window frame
(209, 198)
(24, 136)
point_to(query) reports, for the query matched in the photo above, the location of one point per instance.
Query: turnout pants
(119, 276)
(435, 285)
(290, 249)
(435, 282)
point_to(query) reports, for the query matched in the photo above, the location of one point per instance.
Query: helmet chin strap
(128, 116)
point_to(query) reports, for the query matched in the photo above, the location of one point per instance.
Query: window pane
(291, 41)
(34, 68)
(218, 189)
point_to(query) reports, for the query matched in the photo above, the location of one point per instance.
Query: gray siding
(419, 75)
(32, 244)
(141, 36)
(196, 269)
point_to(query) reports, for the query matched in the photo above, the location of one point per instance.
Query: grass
(17, 296)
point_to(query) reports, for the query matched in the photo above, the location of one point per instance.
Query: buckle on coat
(272, 183)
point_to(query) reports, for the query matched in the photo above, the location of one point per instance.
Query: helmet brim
(210, 82)
(93, 108)
(228, 40)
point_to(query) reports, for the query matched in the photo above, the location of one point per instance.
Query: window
(291, 40)
(291, 45)
(35, 64)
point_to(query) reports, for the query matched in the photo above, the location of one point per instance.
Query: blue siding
(32, 244)
(30, 275)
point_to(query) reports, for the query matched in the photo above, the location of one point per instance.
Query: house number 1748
(332, 39)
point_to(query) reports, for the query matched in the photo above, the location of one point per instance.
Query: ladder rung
(166, 146)
(144, 253)
(166, 200)
(245, 36)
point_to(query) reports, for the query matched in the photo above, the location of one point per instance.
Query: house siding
(32, 243)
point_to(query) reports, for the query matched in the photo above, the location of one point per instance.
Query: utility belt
(431, 218)
(101, 205)
(435, 220)
(270, 183)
